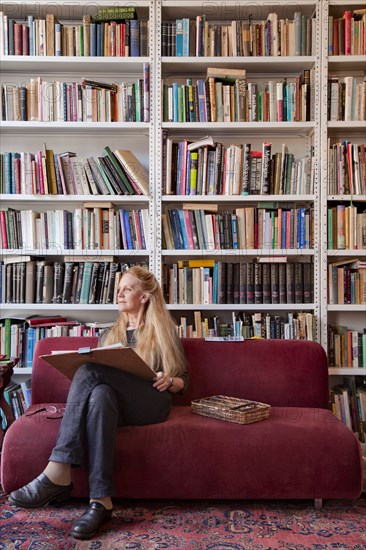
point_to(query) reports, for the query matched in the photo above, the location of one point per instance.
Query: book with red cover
(35, 320)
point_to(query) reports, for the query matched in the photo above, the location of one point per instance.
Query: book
(117, 356)
(207, 140)
(196, 263)
(226, 75)
(208, 207)
(134, 169)
(115, 164)
(271, 259)
(35, 320)
(224, 339)
(114, 13)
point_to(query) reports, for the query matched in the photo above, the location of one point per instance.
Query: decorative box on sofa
(300, 452)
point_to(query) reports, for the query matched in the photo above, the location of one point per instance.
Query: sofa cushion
(283, 373)
(296, 453)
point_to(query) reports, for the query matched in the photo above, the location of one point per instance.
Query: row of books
(289, 326)
(212, 100)
(207, 167)
(346, 227)
(348, 403)
(245, 228)
(48, 37)
(346, 347)
(347, 282)
(18, 397)
(346, 98)
(240, 283)
(347, 168)
(46, 172)
(86, 101)
(19, 336)
(347, 34)
(273, 36)
(69, 282)
(92, 227)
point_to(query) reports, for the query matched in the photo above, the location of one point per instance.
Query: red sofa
(301, 452)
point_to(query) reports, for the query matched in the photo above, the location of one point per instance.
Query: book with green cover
(117, 13)
(119, 170)
(85, 286)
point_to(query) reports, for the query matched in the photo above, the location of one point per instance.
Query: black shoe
(39, 492)
(88, 524)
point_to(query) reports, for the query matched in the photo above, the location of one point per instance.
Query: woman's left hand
(162, 382)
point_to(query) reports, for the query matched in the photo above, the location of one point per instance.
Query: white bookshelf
(85, 139)
(351, 316)
(299, 135)
(145, 140)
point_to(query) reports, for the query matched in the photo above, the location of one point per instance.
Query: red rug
(213, 525)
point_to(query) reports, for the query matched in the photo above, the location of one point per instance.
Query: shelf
(343, 4)
(346, 63)
(232, 9)
(356, 198)
(351, 308)
(112, 66)
(22, 370)
(237, 198)
(88, 255)
(67, 11)
(347, 371)
(241, 307)
(268, 128)
(240, 252)
(75, 308)
(351, 253)
(174, 66)
(74, 199)
(74, 128)
(347, 125)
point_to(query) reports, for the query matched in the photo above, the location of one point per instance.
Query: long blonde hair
(156, 340)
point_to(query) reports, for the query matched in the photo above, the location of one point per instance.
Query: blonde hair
(157, 341)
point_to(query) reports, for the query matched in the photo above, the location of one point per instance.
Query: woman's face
(130, 296)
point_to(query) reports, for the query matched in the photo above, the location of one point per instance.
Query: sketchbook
(119, 357)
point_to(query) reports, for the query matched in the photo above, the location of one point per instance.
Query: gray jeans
(100, 399)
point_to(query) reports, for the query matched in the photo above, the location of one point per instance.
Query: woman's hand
(162, 382)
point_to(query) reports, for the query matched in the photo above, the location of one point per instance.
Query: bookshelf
(342, 323)
(86, 139)
(304, 137)
(147, 141)
(339, 65)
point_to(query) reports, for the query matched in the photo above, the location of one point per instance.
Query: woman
(102, 398)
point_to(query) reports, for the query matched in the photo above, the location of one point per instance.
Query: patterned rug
(202, 525)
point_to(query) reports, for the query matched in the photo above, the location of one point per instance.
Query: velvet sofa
(300, 452)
